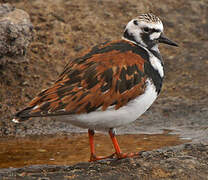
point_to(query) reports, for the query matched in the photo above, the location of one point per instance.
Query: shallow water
(71, 149)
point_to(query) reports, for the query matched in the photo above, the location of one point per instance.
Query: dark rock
(15, 33)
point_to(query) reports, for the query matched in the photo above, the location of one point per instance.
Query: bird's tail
(22, 115)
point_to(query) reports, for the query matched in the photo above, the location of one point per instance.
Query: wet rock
(15, 33)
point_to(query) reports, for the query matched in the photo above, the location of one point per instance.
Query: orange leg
(92, 146)
(93, 157)
(115, 142)
(118, 152)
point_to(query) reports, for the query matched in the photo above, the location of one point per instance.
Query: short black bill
(165, 40)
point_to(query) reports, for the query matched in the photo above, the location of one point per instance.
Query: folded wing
(109, 75)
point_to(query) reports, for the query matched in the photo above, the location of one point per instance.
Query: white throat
(155, 48)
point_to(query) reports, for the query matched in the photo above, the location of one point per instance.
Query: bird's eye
(135, 22)
(146, 29)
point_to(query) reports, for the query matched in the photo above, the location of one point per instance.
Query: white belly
(111, 118)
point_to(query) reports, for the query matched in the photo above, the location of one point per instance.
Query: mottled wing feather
(111, 74)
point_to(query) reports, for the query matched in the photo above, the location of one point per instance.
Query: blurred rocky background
(15, 33)
(63, 29)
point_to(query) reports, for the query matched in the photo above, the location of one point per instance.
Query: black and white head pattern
(145, 30)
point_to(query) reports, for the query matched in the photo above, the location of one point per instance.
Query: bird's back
(110, 74)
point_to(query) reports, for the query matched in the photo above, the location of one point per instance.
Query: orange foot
(118, 154)
(94, 158)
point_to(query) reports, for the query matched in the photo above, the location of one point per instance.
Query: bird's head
(147, 30)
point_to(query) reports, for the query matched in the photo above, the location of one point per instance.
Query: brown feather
(101, 78)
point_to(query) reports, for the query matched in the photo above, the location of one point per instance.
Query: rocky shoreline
(188, 161)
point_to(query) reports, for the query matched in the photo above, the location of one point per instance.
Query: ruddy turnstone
(109, 86)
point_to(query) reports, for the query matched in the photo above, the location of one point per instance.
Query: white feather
(157, 65)
(36, 107)
(15, 120)
(155, 35)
